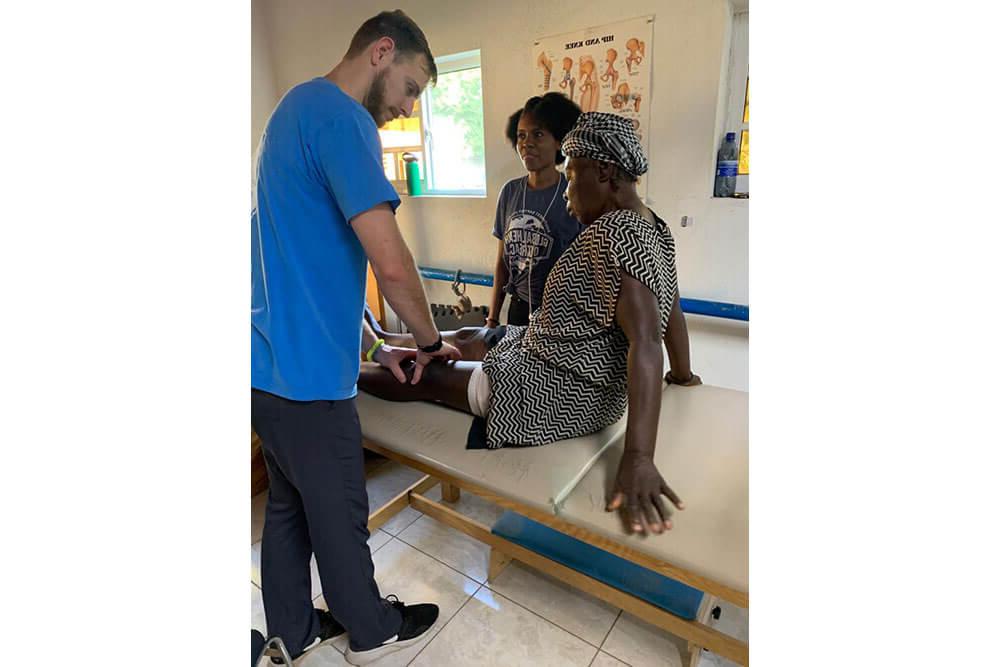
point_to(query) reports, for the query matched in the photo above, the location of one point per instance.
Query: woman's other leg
(442, 382)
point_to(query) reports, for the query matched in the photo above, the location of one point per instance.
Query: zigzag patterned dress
(565, 374)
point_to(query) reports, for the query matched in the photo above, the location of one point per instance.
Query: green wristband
(375, 348)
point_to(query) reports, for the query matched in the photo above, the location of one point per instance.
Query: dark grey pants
(518, 311)
(317, 503)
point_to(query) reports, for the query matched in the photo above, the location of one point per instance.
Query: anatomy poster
(606, 68)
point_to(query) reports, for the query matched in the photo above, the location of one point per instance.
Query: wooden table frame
(503, 551)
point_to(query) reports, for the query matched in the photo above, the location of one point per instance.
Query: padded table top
(702, 452)
(436, 435)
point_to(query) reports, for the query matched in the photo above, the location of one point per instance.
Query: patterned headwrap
(608, 138)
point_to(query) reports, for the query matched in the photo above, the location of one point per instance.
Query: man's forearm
(644, 392)
(368, 337)
(406, 296)
(394, 339)
(395, 270)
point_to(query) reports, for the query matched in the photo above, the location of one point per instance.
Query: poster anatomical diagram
(604, 68)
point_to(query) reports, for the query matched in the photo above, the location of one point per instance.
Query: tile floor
(523, 618)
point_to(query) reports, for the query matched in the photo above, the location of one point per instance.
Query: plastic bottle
(725, 173)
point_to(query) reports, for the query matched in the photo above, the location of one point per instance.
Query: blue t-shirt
(531, 236)
(319, 165)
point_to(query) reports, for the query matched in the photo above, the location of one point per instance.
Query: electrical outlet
(687, 221)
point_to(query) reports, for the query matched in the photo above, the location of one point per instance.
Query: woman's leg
(470, 341)
(442, 382)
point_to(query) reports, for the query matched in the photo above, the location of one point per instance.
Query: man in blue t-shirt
(323, 209)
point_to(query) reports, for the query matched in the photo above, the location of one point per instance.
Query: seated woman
(594, 346)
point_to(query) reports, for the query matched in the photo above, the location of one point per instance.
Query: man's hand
(391, 357)
(448, 352)
(638, 487)
(692, 381)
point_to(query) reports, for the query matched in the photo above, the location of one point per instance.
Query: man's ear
(382, 48)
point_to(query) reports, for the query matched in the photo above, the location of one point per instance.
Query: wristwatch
(434, 347)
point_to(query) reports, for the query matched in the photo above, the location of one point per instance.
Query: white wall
(306, 38)
(263, 89)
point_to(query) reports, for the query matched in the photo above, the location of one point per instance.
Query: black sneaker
(418, 619)
(329, 629)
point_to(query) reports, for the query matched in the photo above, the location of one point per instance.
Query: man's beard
(375, 99)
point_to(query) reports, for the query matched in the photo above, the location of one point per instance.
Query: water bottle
(725, 173)
(414, 187)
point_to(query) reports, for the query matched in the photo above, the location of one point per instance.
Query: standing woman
(532, 226)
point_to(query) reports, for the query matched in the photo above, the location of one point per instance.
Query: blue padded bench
(668, 594)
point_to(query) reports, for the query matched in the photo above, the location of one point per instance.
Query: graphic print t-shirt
(533, 239)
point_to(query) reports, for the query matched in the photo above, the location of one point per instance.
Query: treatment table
(701, 451)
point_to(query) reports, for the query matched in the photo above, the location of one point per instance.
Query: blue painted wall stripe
(729, 311)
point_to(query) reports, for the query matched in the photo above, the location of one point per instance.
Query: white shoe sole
(371, 655)
(296, 661)
(328, 642)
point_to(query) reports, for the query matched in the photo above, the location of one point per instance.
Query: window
(737, 110)
(445, 133)
(399, 137)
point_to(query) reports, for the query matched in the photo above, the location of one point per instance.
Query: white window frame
(736, 87)
(449, 64)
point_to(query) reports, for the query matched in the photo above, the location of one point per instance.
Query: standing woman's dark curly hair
(553, 111)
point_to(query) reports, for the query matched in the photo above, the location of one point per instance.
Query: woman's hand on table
(638, 491)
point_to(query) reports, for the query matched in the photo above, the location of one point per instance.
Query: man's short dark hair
(406, 34)
(553, 111)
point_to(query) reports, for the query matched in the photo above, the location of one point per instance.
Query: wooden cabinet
(258, 471)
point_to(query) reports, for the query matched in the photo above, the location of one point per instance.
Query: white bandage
(479, 392)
